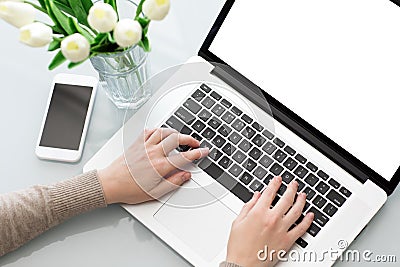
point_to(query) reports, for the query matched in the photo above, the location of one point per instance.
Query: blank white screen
(334, 63)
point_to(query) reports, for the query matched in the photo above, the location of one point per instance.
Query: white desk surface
(110, 237)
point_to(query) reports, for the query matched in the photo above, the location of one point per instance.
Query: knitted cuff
(77, 195)
(229, 264)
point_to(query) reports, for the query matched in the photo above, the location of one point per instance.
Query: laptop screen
(334, 63)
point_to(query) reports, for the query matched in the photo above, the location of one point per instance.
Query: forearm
(28, 213)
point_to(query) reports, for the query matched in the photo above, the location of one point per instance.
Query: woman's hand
(147, 171)
(258, 226)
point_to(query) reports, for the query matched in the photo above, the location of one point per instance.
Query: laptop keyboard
(245, 156)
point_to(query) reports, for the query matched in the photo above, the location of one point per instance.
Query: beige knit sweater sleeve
(28, 213)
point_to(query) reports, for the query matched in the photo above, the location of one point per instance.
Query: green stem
(36, 6)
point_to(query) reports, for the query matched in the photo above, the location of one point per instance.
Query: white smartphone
(65, 122)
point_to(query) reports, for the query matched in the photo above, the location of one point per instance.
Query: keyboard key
(229, 149)
(225, 130)
(300, 171)
(247, 119)
(218, 141)
(313, 230)
(282, 189)
(238, 125)
(301, 242)
(260, 172)
(279, 155)
(183, 148)
(319, 201)
(258, 140)
(174, 123)
(269, 148)
(300, 219)
(336, 198)
(208, 102)
(257, 126)
(208, 133)
(245, 145)
(236, 111)
(301, 185)
(319, 217)
(214, 122)
(256, 185)
(218, 110)
(246, 178)
(330, 209)
(204, 115)
(198, 126)
(266, 161)
(215, 95)
(268, 134)
(239, 156)
(249, 164)
(191, 105)
(322, 188)
(205, 88)
(311, 167)
(276, 169)
(290, 164)
(206, 144)
(255, 153)
(215, 154)
(322, 175)
(228, 117)
(287, 177)
(301, 159)
(311, 179)
(226, 103)
(235, 170)
(289, 150)
(345, 191)
(198, 95)
(309, 192)
(276, 199)
(225, 162)
(235, 138)
(306, 206)
(248, 132)
(279, 142)
(334, 183)
(196, 136)
(268, 178)
(242, 192)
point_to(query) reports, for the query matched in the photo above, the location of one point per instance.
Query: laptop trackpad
(205, 229)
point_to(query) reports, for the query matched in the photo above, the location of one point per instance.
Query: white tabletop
(109, 236)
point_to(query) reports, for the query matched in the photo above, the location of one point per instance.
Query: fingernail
(278, 179)
(204, 151)
(187, 176)
(294, 183)
(310, 215)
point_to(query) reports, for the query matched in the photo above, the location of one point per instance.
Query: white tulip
(35, 34)
(75, 48)
(16, 13)
(128, 32)
(156, 9)
(102, 17)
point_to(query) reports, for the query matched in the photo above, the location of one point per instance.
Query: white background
(334, 63)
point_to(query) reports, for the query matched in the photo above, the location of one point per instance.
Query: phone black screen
(66, 116)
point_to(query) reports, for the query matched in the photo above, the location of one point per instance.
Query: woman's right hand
(259, 226)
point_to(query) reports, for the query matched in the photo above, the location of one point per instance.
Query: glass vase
(122, 76)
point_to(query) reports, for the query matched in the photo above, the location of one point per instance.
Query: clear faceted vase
(122, 76)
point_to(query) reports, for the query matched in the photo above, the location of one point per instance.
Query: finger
(302, 227)
(249, 205)
(269, 193)
(159, 134)
(295, 212)
(182, 159)
(148, 133)
(176, 139)
(287, 199)
(169, 184)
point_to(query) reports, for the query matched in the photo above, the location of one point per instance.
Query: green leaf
(37, 7)
(100, 38)
(42, 4)
(57, 61)
(77, 28)
(79, 11)
(87, 4)
(64, 7)
(58, 17)
(110, 38)
(139, 9)
(113, 3)
(54, 45)
(74, 64)
(145, 44)
(57, 29)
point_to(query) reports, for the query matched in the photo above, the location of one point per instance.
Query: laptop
(307, 90)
